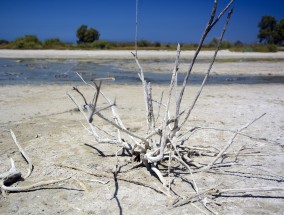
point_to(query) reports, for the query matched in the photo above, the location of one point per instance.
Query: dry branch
(214, 191)
(247, 190)
(193, 198)
(208, 28)
(25, 155)
(159, 174)
(37, 185)
(12, 175)
(231, 142)
(209, 69)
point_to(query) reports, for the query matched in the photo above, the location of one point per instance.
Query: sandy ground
(49, 128)
(125, 54)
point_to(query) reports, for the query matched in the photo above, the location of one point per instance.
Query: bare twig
(25, 155)
(194, 130)
(146, 86)
(247, 190)
(190, 171)
(231, 141)
(78, 91)
(159, 107)
(208, 28)
(104, 79)
(159, 174)
(209, 69)
(194, 197)
(99, 181)
(33, 186)
(124, 130)
(94, 105)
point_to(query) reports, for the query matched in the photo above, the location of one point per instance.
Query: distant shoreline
(126, 54)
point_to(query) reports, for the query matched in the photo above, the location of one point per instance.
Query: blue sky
(159, 20)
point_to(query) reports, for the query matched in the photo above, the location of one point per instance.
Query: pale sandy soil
(49, 128)
(125, 54)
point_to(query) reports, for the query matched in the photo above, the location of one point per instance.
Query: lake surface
(30, 71)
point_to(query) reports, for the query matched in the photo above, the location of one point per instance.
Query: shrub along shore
(32, 42)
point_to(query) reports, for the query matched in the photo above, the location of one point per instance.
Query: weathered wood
(37, 185)
(11, 176)
(25, 155)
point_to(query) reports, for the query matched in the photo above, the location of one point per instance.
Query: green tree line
(270, 36)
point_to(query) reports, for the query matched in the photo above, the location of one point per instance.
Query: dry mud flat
(49, 129)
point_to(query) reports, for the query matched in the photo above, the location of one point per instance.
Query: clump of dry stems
(167, 138)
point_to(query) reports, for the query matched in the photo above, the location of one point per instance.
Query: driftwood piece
(14, 175)
(34, 186)
(25, 155)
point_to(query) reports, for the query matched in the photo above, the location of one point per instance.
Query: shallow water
(29, 71)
